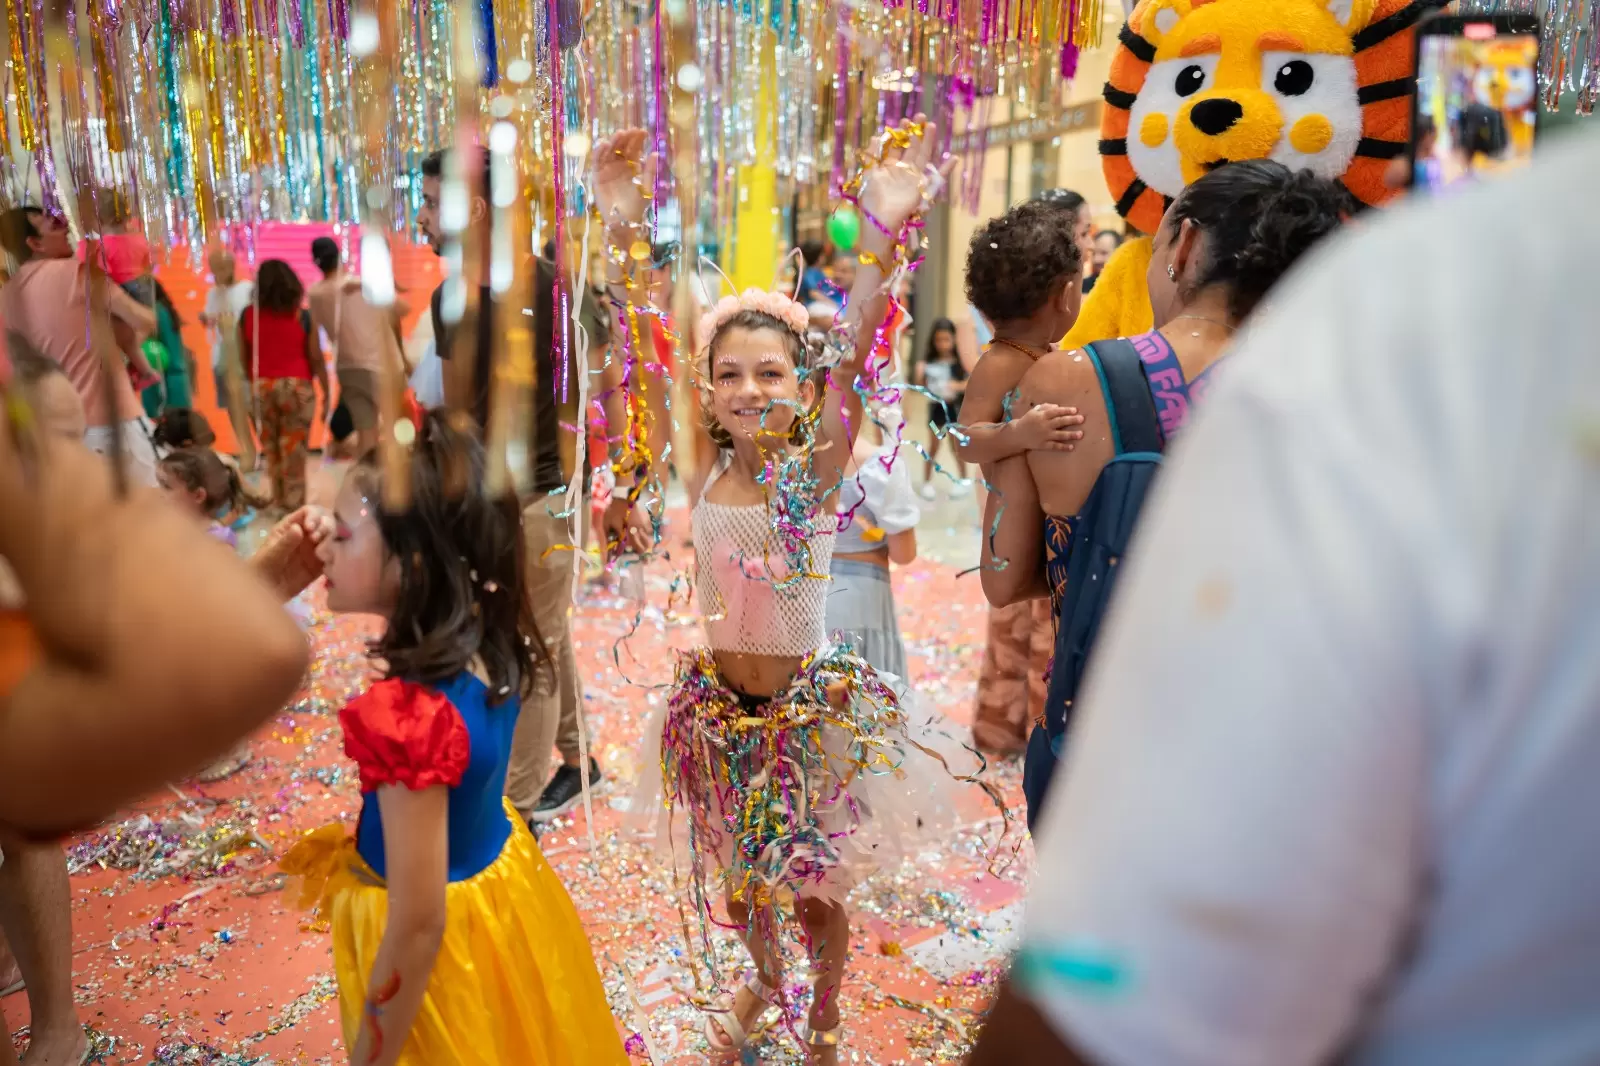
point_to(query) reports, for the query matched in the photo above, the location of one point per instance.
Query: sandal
(726, 1022)
(225, 767)
(819, 1038)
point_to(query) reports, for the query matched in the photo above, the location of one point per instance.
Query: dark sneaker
(564, 792)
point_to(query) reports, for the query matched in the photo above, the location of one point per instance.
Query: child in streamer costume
(783, 769)
(455, 944)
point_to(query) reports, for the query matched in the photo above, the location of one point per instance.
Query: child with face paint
(453, 939)
(783, 768)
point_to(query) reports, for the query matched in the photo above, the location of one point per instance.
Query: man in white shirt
(1333, 791)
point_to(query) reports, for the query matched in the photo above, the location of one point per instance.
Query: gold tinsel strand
(22, 29)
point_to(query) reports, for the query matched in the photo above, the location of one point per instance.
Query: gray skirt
(861, 611)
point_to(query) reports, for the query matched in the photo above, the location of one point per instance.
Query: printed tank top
(1174, 399)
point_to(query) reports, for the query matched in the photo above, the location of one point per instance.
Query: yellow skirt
(515, 983)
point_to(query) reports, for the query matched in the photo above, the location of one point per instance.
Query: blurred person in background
(552, 714)
(363, 337)
(1331, 795)
(164, 349)
(812, 276)
(940, 372)
(1083, 220)
(1105, 242)
(45, 307)
(226, 300)
(280, 351)
(828, 298)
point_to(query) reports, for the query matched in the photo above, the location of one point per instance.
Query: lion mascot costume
(1505, 81)
(1319, 84)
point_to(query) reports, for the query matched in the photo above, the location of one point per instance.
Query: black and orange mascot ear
(1319, 84)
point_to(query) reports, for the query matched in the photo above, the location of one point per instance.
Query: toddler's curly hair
(1019, 261)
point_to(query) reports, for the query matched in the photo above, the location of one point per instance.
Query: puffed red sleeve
(400, 733)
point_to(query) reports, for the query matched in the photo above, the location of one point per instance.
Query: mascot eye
(1190, 80)
(1294, 78)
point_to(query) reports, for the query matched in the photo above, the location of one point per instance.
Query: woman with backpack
(281, 356)
(1064, 517)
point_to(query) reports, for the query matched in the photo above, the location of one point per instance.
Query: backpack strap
(1134, 424)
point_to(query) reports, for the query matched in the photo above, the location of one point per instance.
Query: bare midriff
(756, 675)
(877, 557)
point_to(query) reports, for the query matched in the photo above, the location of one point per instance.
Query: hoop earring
(1172, 272)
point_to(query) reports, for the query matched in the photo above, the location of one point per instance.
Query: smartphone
(1475, 114)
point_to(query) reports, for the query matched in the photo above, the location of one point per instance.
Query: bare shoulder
(1065, 376)
(999, 368)
(997, 373)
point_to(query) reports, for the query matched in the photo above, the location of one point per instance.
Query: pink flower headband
(774, 304)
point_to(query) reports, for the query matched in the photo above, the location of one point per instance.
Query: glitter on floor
(188, 950)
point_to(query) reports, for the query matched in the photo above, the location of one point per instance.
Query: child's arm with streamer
(893, 192)
(1013, 536)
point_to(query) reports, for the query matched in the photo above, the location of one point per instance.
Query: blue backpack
(1099, 536)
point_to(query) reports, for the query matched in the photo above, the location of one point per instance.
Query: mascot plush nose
(1212, 117)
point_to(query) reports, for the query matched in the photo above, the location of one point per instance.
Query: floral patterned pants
(287, 406)
(1011, 686)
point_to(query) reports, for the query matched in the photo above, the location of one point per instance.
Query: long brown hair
(278, 288)
(463, 592)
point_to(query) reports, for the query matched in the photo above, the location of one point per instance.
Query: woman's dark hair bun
(1259, 217)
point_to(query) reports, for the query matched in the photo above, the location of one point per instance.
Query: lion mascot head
(1319, 84)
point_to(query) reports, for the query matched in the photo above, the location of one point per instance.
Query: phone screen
(1477, 103)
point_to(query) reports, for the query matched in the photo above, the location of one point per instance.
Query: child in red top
(124, 254)
(281, 357)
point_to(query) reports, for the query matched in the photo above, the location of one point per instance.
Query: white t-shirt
(1334, 789)
(231, 300)
(875, 498)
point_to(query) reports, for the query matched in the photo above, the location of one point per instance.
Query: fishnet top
(739, 566)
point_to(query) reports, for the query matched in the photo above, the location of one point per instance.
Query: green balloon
(844, 229)
(155, 354)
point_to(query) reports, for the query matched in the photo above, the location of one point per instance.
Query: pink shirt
(46, 304)
(124, 256)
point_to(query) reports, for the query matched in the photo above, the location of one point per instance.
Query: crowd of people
(1324, 794)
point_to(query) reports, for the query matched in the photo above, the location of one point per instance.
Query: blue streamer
(491, 59)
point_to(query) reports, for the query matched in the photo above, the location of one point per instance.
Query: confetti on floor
(188, 950)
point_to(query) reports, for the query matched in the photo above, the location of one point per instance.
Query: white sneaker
(961, 490)
(927, 491)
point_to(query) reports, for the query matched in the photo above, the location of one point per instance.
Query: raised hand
(624, 176)
(287, 560)
(904, 182)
